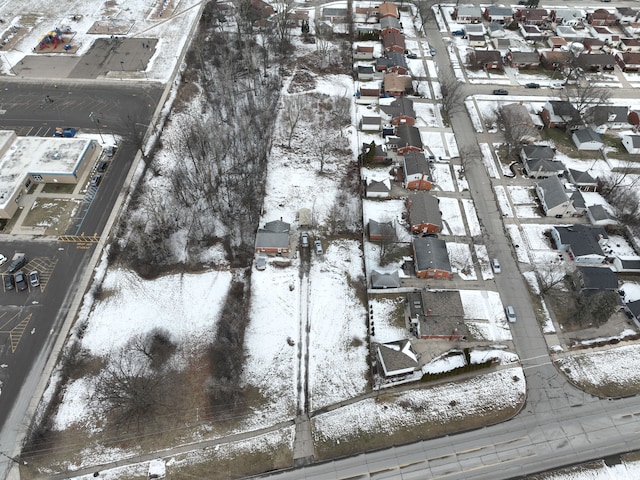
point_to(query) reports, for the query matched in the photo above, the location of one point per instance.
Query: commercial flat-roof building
(28, 160)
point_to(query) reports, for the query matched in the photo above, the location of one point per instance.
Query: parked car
(495, 264)
(304, 240)
(34, 278)
(17, 264)
(102, 167)
(432, 51)
(3, 259)
(95, 181)
(261, 262)
(21, 281)
(65, 132)
(511, 314)
(9, 283)
(458, 33)
(556, 86)
(532, 85)
(318, 246)
(500, 91)
(412, 56)
(111, 150)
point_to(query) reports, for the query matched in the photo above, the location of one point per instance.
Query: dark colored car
(102, 166)
(95, 181)
(412, 56)
(17, 264)
(21, 281)
(532, 85)
(458, 33)
(9, 283)
(500, 91)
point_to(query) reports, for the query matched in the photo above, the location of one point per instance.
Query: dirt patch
(111, 27)
(51, 214)
(12, 36)
(67, 188)
(164, 9)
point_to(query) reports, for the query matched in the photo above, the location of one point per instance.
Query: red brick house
(601, 17)
(401, 111)
(273, 238)
(393, 42)
(486, 60)
(417, 173)
(431, 259)
(555, 60)
(628, 62)
(523, 60)
(388, 9)
(532, 16)
(423, 213)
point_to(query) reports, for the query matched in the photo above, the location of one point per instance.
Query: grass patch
(54, 215)
(59, 188)
(565, 145)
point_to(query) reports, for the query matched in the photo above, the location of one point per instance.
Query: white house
(378, 188)
(554, 198)
(583, 243)
(631, 143)
(586, 139)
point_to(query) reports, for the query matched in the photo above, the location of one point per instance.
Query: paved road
(30, 322)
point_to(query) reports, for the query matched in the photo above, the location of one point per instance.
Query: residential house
(417, 174)
(523, 60)
(393, 42)
(521, 122)
(629, 45)
(596, 62)
(377, 156)
(558, 113)
(603, 117)
(388, 9)
(593, 44)
(586, 139)
(367, 31)
(557, 43)
(539, 163)
(392, 62)
(397, 85)
(583, 243)
(368, 93)
(555, 60)
(379, 231)
(385, 279)
(628, 62)
(553, 198)
(570, 34)
(335, 13)
(298, 18)
(578, 201)
(476, 41)
(532, 16)
(568, 16)
(601, 17)
(396, 358)
(273, 238)
(496, 30)
(626, 15)
(363, 52)
(609, 35)
(498, 14)
(370, 122)
(533, 33)
(599, 217)
(467, 14)
(408, 139)
(486, 60)
(424, 213)
(389, 24)
(378, 188)
(627, 265)
(431, 259)
(474, 29)
(592, 280)
(632, 143)
(582, 180)
(400, 110)
(366, 73)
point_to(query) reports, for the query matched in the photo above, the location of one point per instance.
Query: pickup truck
(65, 132)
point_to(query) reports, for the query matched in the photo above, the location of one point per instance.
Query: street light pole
(97, 120)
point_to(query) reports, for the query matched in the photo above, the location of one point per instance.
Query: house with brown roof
(557, 43)
(628, 62)
(601, 17)
(596, 62)
(629, 45)
(532, 16)
(486, 60)
(394, 42)
(388, 9)
(555, 60)
(363, 52)
(592, 44)
(397, 85)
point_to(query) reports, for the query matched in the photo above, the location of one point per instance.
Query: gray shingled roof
(581, 178)
(392, 59)
(385, 279)
(598, 278)
(389, 22)
(424, 208)
(541, 165)
(409, 136)
(397, 358)
(416, 162)
(400, 106)
(381, 229)
(267, 239)
(583, 239)
(537, 152)
(431, 254)
(553, 191)
(587, 135)
(602, 114)
(598, 212)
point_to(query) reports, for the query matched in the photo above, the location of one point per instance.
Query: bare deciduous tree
(584, 94)
(292, 113)
(549, 276)
(452, 94)
(388, 243)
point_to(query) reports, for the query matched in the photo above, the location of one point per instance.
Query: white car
(511, 314)
(556, 86)
(261, 262)
(495, 264)
(3, 259)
